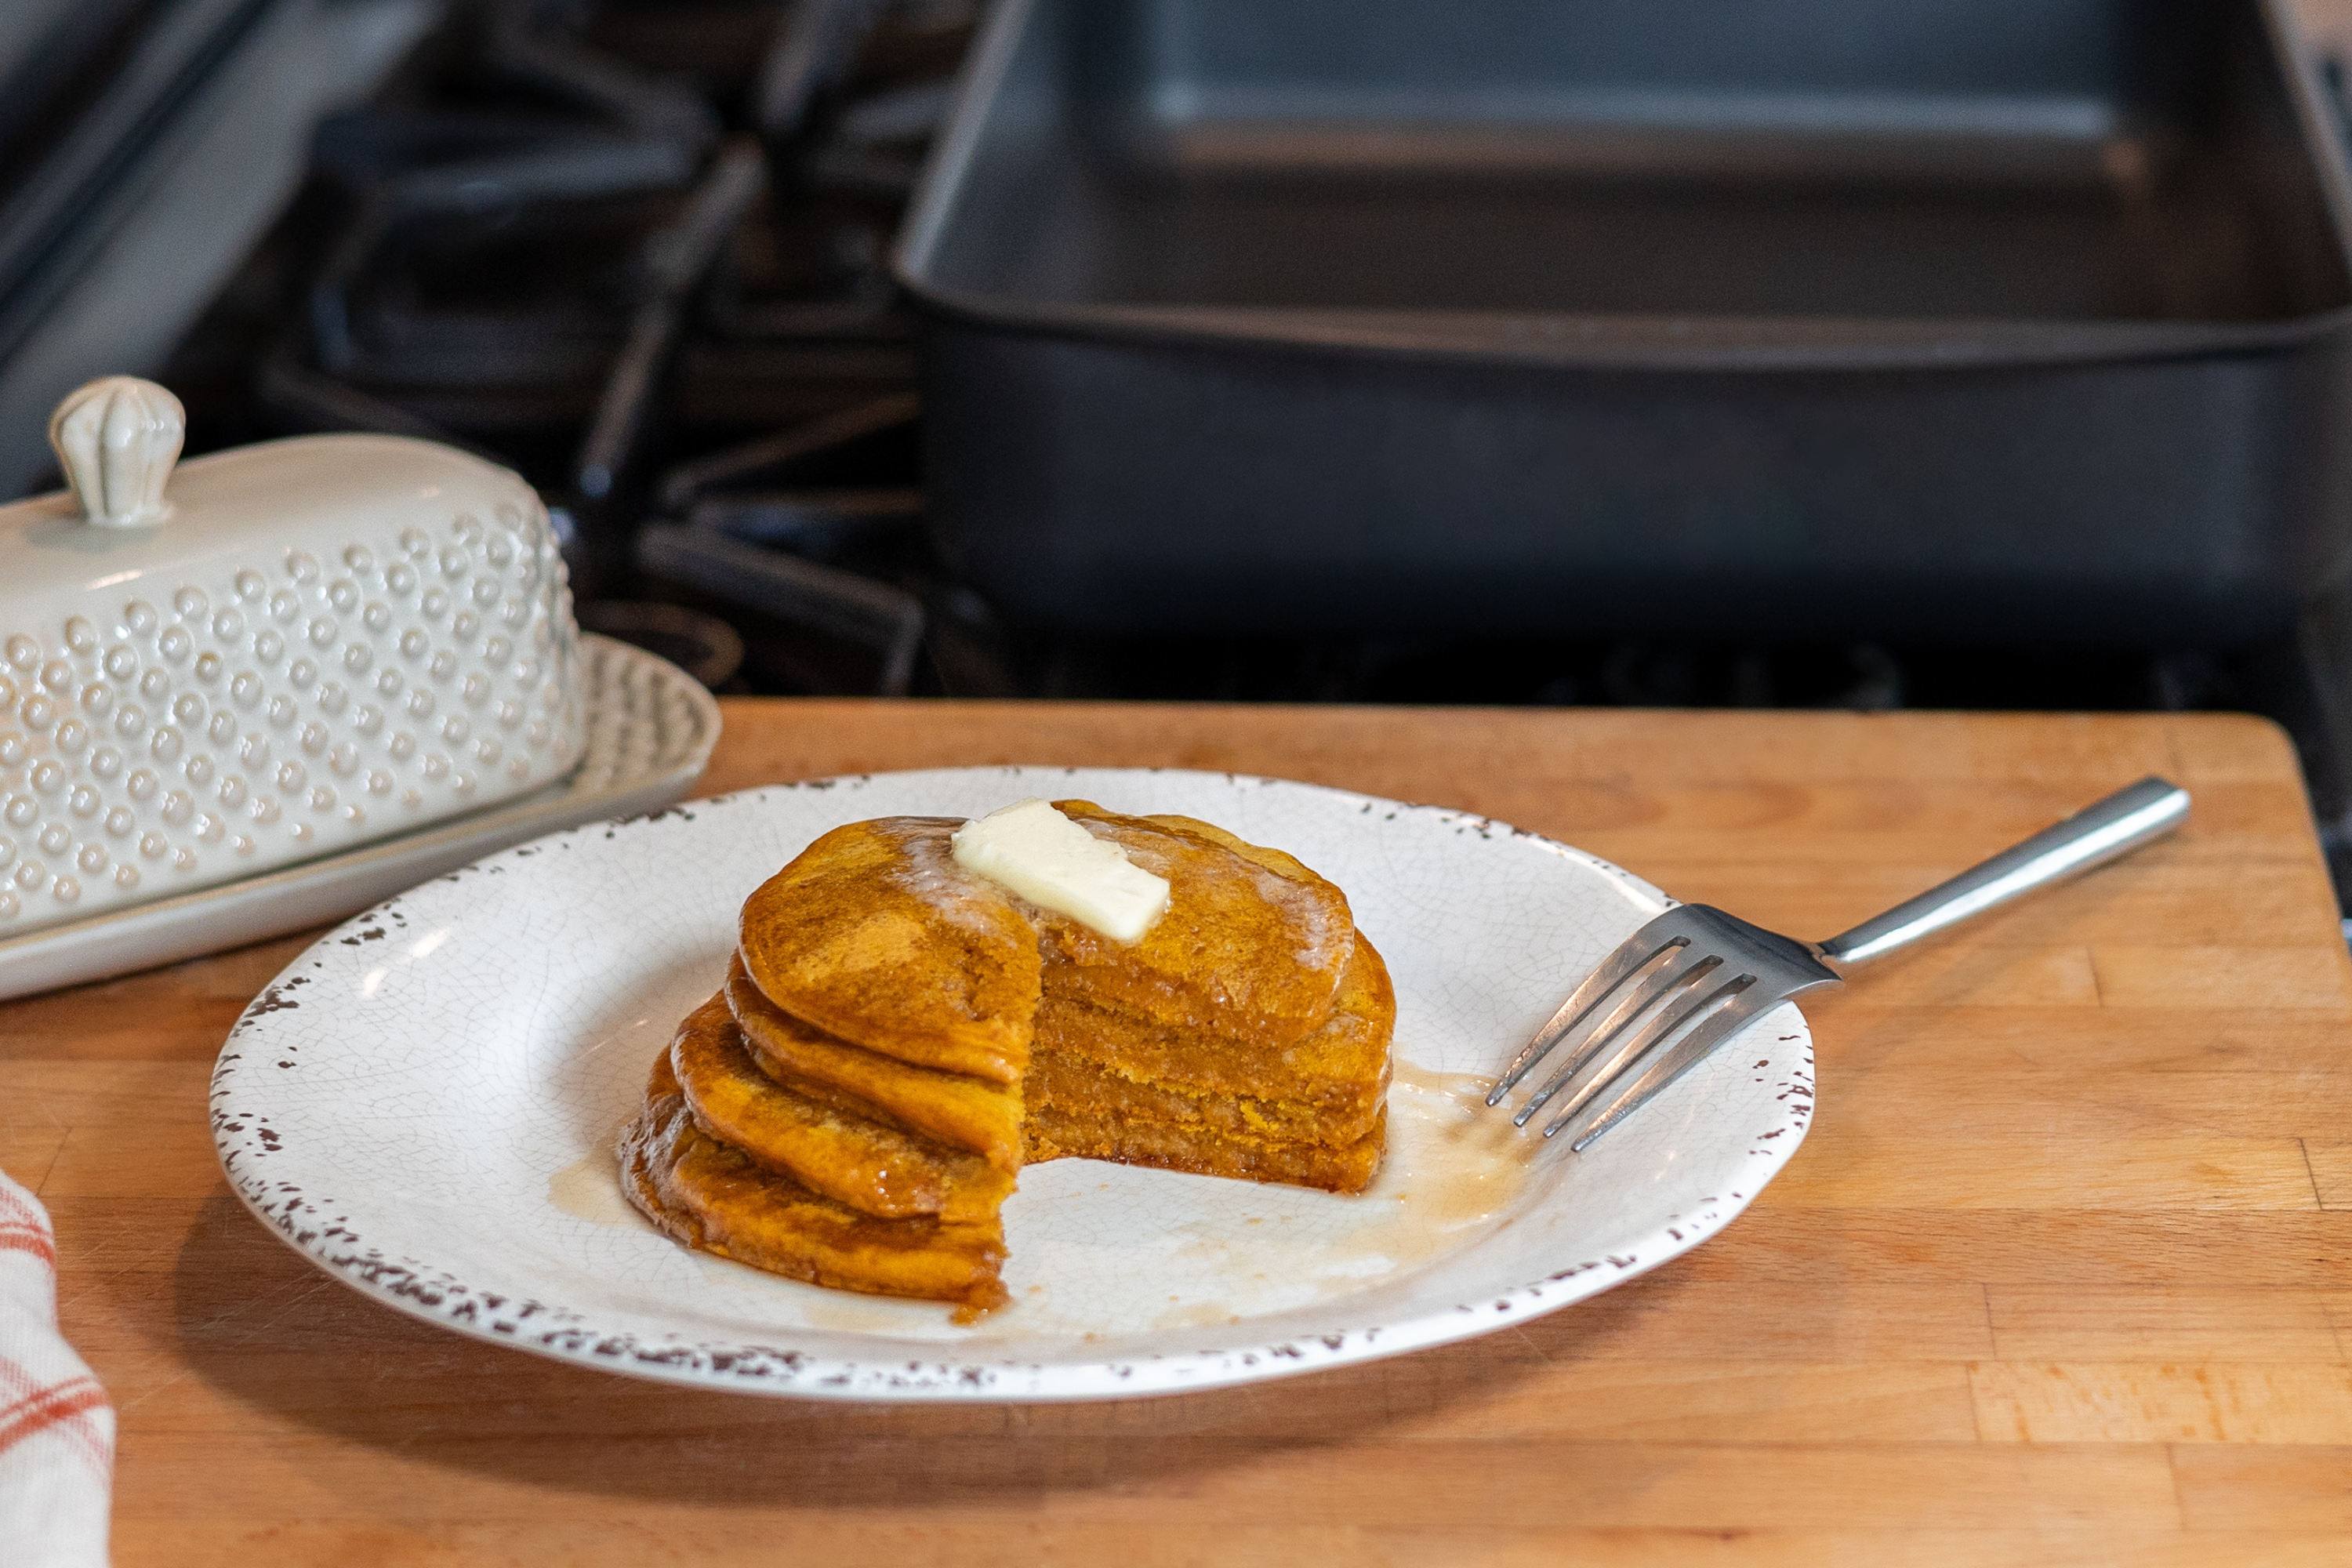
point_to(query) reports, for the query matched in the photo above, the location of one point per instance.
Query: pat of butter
(1033, 850)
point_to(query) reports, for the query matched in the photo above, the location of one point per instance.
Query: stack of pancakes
(898, 1037)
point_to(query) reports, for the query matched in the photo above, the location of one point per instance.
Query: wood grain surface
(2063, 1273)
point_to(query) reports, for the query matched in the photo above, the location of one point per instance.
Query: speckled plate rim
(308, 1221)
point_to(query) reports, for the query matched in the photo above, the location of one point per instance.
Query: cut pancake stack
(897, 1036)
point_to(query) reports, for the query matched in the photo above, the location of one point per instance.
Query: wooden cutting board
(2064, 1272)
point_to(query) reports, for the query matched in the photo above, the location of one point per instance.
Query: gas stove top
(636, 251)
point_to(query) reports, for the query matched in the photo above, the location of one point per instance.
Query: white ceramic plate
(650, 727)
(424, 1104)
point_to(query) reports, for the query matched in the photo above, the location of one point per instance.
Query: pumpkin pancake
(896, 1036)
(714, 1198)
(1330, 1085)
(1055, 1134)
(875, 935)
(967, 1113)
(874, 1168)
(1251, 947)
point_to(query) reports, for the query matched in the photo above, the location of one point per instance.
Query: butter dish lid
(267, 654)
(134, 513)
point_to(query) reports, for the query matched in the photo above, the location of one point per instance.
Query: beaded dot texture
(189, 729)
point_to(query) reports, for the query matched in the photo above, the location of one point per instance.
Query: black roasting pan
(1976, 319)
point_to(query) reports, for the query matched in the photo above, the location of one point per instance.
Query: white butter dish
(263, 658)
(648, 730)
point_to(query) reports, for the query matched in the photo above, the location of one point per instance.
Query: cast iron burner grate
(636, 251)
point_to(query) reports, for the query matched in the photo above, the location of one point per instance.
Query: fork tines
(1693, 971)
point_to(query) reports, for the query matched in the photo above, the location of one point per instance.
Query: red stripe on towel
(18, 1236)
(18, 1212)
(50, 1407)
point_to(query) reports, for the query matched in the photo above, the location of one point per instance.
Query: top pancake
(1251, 946)
(873, 933)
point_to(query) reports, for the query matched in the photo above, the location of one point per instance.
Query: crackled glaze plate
(424, 1105)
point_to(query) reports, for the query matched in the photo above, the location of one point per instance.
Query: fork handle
(2091, 836)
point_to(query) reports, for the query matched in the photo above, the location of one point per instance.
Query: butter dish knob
(117, 438)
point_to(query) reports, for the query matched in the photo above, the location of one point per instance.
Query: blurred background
(1953, 353)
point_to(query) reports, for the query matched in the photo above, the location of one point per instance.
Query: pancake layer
(713, 1197)
(871, 1166)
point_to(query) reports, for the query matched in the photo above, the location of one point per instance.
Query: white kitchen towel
(57, 1430)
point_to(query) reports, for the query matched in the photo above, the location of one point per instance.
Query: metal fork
(1685, 982)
